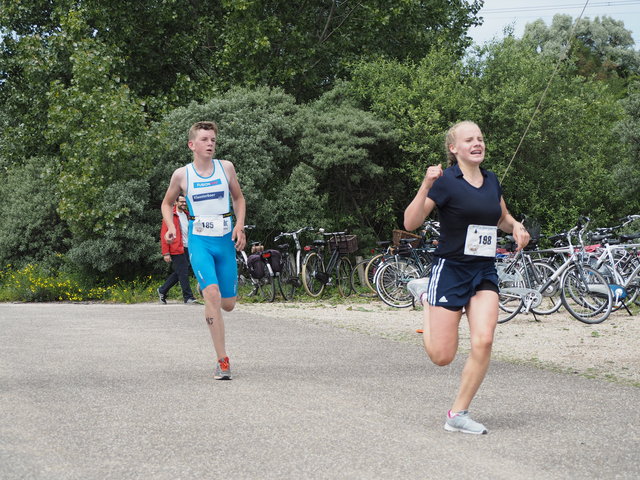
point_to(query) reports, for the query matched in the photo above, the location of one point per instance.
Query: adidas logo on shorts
(443, 299)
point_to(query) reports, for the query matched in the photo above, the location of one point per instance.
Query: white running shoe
(461, 422)
(417, 287)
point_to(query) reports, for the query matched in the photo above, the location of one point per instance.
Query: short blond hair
(450, 139)
(193, 131)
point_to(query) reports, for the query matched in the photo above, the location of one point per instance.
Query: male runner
(211, 188)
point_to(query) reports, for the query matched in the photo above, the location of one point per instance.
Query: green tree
(28, 65)
(627, 172)
(421, 100)
(347, 157)
(601, 47)
(305, 46)
(130, 246)
(99, 127)
(178, 50)
(563, 166)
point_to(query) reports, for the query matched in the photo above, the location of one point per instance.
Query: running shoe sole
(449, 428)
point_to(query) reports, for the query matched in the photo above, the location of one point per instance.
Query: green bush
(32, 230)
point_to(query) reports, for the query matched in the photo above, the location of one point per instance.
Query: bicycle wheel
(380, 263)
(551, 301)
(619, 294)
(243, 272)
(631, 274)
(245, 282)
(288, 281)
(633, 286)
(358, 280)
(373, 265)
(312, 266)
(586, 294)
(391, 282)
(509, 302)
(267, 287)
(343, 276)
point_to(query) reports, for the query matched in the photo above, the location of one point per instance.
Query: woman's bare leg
(482, 313)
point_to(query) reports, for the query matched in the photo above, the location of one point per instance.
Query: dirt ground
(559, 342)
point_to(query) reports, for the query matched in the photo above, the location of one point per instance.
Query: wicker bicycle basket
(344, 243)
(400, 234)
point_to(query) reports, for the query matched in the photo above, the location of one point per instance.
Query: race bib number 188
(481, 241)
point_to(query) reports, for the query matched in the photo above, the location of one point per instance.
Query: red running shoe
(223, 369)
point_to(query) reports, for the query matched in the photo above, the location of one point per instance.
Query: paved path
(126, 392)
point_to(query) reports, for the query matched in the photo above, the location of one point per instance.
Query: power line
(619, 3)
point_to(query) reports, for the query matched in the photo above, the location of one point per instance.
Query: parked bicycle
(618, 262)
(521, 273)
(289, 278)
(327, 263)
(410, 258)
(255, 270)
(363, 274)
(395, 272)
(584, 292)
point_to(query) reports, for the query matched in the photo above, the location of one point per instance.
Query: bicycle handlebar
(629, 236)
(628, 219)
(578, 230)
(292, 234)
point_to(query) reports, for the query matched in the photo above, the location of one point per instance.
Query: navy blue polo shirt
(460, 204)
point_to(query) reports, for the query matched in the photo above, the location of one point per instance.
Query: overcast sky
(499, 13)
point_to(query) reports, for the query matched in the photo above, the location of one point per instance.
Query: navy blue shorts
(453, 283)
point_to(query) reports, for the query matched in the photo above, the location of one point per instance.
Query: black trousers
(180, 266)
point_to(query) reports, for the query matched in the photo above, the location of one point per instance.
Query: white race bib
(481, 241)
(209, 225)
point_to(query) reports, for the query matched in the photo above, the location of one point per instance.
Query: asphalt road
(127, 392)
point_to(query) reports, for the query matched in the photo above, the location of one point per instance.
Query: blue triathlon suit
(211, 250)
(456, 276)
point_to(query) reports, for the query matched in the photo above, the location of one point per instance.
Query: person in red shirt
(177, 254)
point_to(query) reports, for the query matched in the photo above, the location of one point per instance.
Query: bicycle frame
(413, 257)
(325, 277)
(316, 275)
(606, 260)
(296, 240)
(531, 297)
